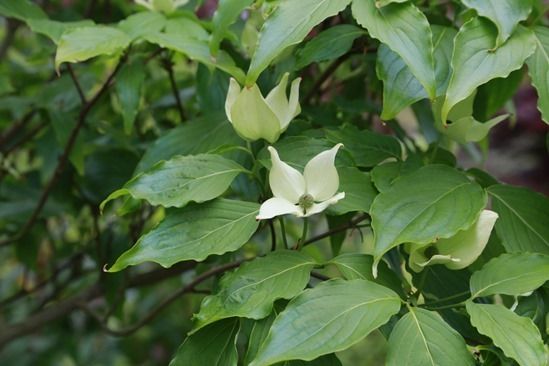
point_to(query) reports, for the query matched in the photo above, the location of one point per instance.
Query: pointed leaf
(194, 233)
(129, 88)
(405, 29)
(538, 67)
(250, 291)
(21, 9)
(328, 45)
(511, 274)
(141, 24)
(288, 25)
(505, 14)
(422, 337)
(328, 318)
(182, 179)
(81, 44)
(433, 202)
(214, 345)
(523, 224)
(475, 62)
(517, 336)
(54, 29)
(227, 12)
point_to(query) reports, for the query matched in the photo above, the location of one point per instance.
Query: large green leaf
(81, 44)
(129, 89)
(422, 337)
(214, 345)
(358, 188)
(21, 9)
(328, 318)
(197, 136)
(434, 202)
(538, 67)
(194, 233)
(443, 43)
(367, 148)
(523, 224)
(511, 274)
(227, 13)
(517, 336)
(400, 86)
(288, 25)
(141, 24)
(328, 45)
(475, 62)
(506, 14)
(250, 291)
(405, 29)
(182, 179)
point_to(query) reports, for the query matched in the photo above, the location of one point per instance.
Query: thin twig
(273, 235)
(86, 108)
(325, 75)
(76, 84)
(351, 224)
(168, 65)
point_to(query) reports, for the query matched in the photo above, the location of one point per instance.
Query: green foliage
(300, 230)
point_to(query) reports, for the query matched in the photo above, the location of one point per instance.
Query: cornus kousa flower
(254, 117)
(458, 251)
(302, 194)
(164, 6)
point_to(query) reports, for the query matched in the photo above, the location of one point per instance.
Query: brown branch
(16, 127)
(325, 76)
(52, 313)
(86, 108)
(351, 224)
(76, 84)
(168, 65)
(190, 288)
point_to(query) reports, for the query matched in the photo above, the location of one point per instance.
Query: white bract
(302, 194)
(254, 117)
(460, 250)
(164, 6)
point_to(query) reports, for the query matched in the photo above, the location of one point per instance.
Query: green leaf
(214, 345)
(382, 3)
(358, 188)
(384, 175)
(405, 29)
(129, 88)
(259, 332)
(493, 95)
(196, 49)
(443, 43)
(54, 29)
(538, 67)
(194, 233)
(328, 318)
(227, 13)
(251, 290)
(81, 44)
(298, 150)
(328, 45)
(400, 86)
(422, 337)
(468, 129)
(517, 336)
(505, 14)
(288, 25)
(182, 179)
(511, 274)
(433, 202)
(475, 62)
(523, 224)
(359, 266)
(367, 148)
(21, 9)
(140, 24)
(196, 136)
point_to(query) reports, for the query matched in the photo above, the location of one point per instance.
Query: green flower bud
(254, 117)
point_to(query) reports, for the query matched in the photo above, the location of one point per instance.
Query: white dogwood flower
(254, 117)
(458, 251)
(302, 194)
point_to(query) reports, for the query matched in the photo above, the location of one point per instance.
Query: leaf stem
(283, 230)
(303, 234)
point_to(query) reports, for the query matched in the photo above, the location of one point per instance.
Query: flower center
(306, 202)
